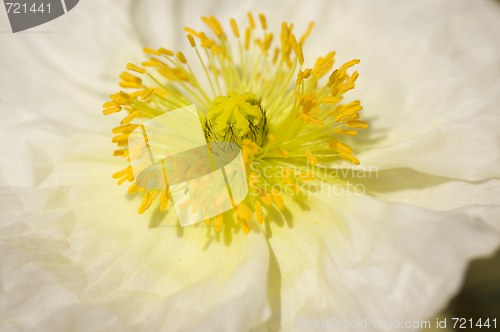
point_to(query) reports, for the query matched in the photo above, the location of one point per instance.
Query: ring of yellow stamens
(281, 114)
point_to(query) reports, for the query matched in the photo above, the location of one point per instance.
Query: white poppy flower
(76, 255)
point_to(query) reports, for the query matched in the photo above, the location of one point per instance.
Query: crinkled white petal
(77, 256)
(64, 70)
(353, 257)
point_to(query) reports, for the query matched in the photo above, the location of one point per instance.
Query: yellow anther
(111, 110)
(124, 172)
(330, 100)
(252, 22)
(346, 88)
(163, 205)
(314, 111)
(181, 57)
(277, 198)
(217, 26)
(122, 102)
(218, 222)
(166, 52)
(306, 176)
(350, 64)
(147, 201)
(130, 85)
(244, 212)
(313, 160)
(271, 138)
(344, 117)
(191, 40)
(120, 138)
(191, 31)
(109, 104)
(151, 64)
(352, 108)
(276, 53)
(304, 37)
(117, 153)
(263, 21)
(136, 95)
(300, 75)
(115, 96)
(285, 33)
(346, 132)
(211, 25)
(282, 152)
(353, 78)
(334, 77)
(125, 76)
(133, 188)
(265, 198)
(349, 158)
(130, 117)
(127, 129)
(267, 41)
(323, 61)
(316, 122)
(356, 124)
(208, 222)
(258, 212)
(234, 26)
(247, 38)
(131, 66)
(244, 225)
(164, 195)
(253, 179)
(151, 51)
(147, 94)
(307, 73)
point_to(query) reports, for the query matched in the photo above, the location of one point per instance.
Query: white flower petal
(427, 191)
(76, 255)
(65, 69)
(350, 257)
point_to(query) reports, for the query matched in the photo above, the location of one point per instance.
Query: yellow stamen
(283, 152)
(263, 21)
(345, 132)
(339, 146)
(349, 158)
(130, 78)
(278, 198)
(250, 95)
(130, 85)
(356, 124)
(235, 28)
(130, 117)
(181, 57)
(151, 51)
(258, 212)
(218, 222)
(131, 66)
(313, 160)
(306, 176)
(191, 40)
(265, 198)
(111, 110)
(252, 22)
(166, 52)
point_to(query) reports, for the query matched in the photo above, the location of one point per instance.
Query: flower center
(288, 119)
(234, 117)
